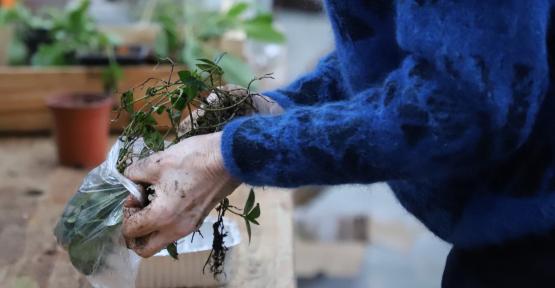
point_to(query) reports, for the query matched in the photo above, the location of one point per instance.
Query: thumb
(146, 170)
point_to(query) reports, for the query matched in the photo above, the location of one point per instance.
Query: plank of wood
(25, 121)
(27, 183)
(267, 261)
(29, 164)
(23, 91)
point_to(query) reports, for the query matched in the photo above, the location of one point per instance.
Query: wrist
(267, 106)
(215, 161)
(215, 146)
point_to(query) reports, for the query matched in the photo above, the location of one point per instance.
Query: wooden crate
(23, 91)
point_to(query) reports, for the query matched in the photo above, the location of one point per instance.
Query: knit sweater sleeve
(375, 29)
(462, 98)
(318, 86)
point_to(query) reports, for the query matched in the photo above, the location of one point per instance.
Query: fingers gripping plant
(176, 99)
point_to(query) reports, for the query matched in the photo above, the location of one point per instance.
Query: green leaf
(261, 28)
(84, 254)
(146, 120)
(210, 67)
(205, 67)
(191, 79)
(154, 140)
(158, 109)
(250, 202)
(255, 213)
(50, 55)
(208, 62)
(127, 101)
(237, 9)
(263, 33)
(248, 229)
(191, 92)
(172, 250)
(261, 19)
(185, 76)
(178, 101)
(236, 70)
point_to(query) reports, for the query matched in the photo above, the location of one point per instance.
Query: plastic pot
(81, 127)
(162, 271)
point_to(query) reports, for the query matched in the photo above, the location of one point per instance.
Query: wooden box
(23, 91)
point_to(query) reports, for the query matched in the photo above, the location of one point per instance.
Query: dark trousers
(528, 262)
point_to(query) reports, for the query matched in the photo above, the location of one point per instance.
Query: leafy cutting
(176, 100)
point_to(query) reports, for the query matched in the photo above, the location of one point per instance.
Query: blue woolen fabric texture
(448, 101)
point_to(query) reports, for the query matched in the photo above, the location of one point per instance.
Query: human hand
(189, 180)
(262, 105)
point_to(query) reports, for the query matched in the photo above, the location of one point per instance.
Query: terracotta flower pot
(81, 127)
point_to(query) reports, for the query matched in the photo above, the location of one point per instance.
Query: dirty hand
(263, 105)
(189, 179)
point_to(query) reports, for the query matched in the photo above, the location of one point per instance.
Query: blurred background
(346, 236)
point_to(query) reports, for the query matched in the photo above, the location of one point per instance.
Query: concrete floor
(386, 264)
(411, 256)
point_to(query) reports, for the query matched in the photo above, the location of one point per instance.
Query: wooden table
(33, 191)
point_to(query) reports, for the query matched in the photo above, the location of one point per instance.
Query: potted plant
(81, 120)
(190, 30)
(57, 38)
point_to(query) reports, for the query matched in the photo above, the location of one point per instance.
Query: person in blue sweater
(448, 101)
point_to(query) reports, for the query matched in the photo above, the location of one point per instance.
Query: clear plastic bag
(90, 227)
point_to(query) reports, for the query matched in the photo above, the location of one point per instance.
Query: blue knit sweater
(448, 101)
